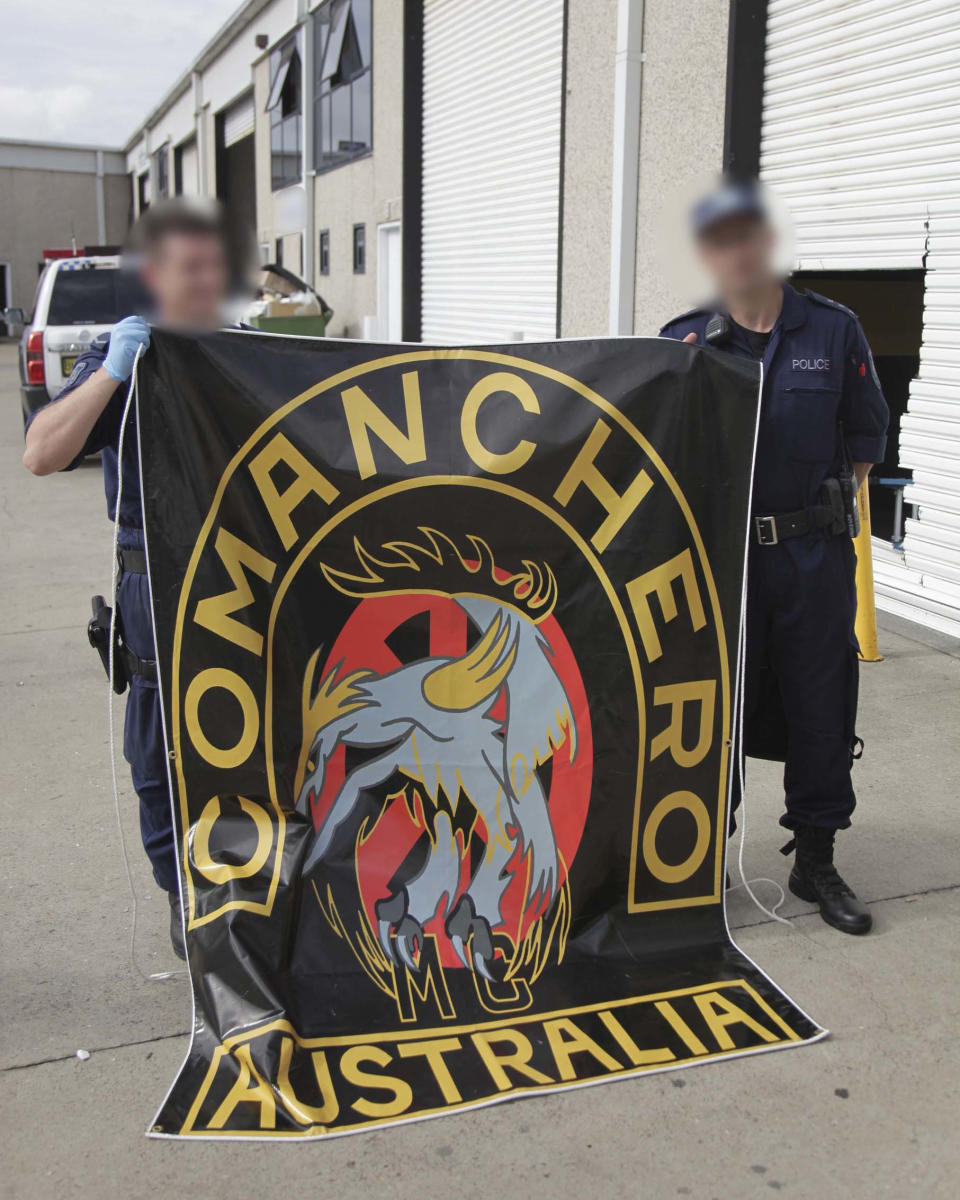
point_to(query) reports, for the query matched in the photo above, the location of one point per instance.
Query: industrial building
(496, 170)
(55, 197)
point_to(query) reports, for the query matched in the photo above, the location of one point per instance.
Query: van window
(94, 296)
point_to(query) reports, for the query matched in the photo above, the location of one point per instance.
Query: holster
(832, 497)
(126, 664)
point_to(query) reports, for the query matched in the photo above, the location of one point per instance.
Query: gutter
(228, 32)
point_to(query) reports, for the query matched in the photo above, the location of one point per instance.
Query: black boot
(815, 878)
(176, 927)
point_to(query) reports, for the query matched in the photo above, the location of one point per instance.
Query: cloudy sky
(90, 72)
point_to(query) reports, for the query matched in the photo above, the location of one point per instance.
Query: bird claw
(470, 933)
(400, 933)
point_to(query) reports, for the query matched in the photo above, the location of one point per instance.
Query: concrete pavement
(871, 1112)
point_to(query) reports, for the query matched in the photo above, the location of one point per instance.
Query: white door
(389, 283)
(861, 136)
(189, 169)
(492, 103)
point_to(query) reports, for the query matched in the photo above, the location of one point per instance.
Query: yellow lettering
(214, 612)
(566, 1039)
(658, 581)
(704, 693)
(230, 681)
(428, 980)
(249, 1088)
(433, 1051)
(719, 1012)
(306, 479)
(307, 1114)
(655, 864)
(402, 1095)
(489, 460)
(584, 470)
(364, 418)
(200, 843)
(517, 1058)
(630, 1048)
(680, 1027)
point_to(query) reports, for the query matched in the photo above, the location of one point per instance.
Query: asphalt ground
(870, 1112)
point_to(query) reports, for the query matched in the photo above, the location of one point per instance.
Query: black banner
(447, 644)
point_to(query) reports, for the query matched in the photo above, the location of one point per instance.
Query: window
(284, 107)
(95, 296)
(278, 252)
(343, 97)
(161, 163)
(324, 252)
(143, 192)
(359, 249)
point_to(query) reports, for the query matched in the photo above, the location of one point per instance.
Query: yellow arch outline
(329, 384)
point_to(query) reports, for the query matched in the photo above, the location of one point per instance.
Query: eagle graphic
(430, 723)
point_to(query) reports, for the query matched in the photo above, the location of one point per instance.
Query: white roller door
(861, 136)
(238, 120)
(492, 97)
(189, 169)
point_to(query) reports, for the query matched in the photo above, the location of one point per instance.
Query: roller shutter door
(861, 136)
(189, 169)
(238, 120)
(492, 96)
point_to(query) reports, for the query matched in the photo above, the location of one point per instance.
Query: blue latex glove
(125, 339)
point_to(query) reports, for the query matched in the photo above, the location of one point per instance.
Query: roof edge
(228, 32)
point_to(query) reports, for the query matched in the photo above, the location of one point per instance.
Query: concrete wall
(681, 146)
(588, 155)
(42, 208)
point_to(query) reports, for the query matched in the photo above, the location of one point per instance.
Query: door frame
(383, 278)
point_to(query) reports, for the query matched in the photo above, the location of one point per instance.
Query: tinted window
(95, 296)
(343, 51)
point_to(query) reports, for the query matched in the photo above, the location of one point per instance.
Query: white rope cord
(738, 745)
(157, 976)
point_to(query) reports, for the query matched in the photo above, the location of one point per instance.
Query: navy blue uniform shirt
(105, 438)
(817, 371)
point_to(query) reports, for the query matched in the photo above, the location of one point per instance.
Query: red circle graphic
(363, 644)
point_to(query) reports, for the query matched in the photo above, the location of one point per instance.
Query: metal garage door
(189, 169)
(492, 94)
(238, 120)
(861, 135)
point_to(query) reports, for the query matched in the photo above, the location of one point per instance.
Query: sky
(90, 72)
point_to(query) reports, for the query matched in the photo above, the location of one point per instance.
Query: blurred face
(187, 276)
(738, 253)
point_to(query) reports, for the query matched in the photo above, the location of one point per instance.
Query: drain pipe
(308, 165)
(628, 66)
(101, 205)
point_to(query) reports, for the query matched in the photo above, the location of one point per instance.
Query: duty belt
(131, 562)
(778, 527)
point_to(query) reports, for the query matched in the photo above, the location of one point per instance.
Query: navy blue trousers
(802, 655)
(143, 746)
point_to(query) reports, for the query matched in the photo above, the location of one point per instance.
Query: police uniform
(143, 745)
(801, 648)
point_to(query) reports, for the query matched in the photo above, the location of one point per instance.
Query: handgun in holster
(126, 663)
(98, 634)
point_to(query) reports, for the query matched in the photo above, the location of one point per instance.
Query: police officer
(821, 409)
(184, 268)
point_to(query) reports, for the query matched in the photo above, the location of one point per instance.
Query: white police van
(77, 299)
